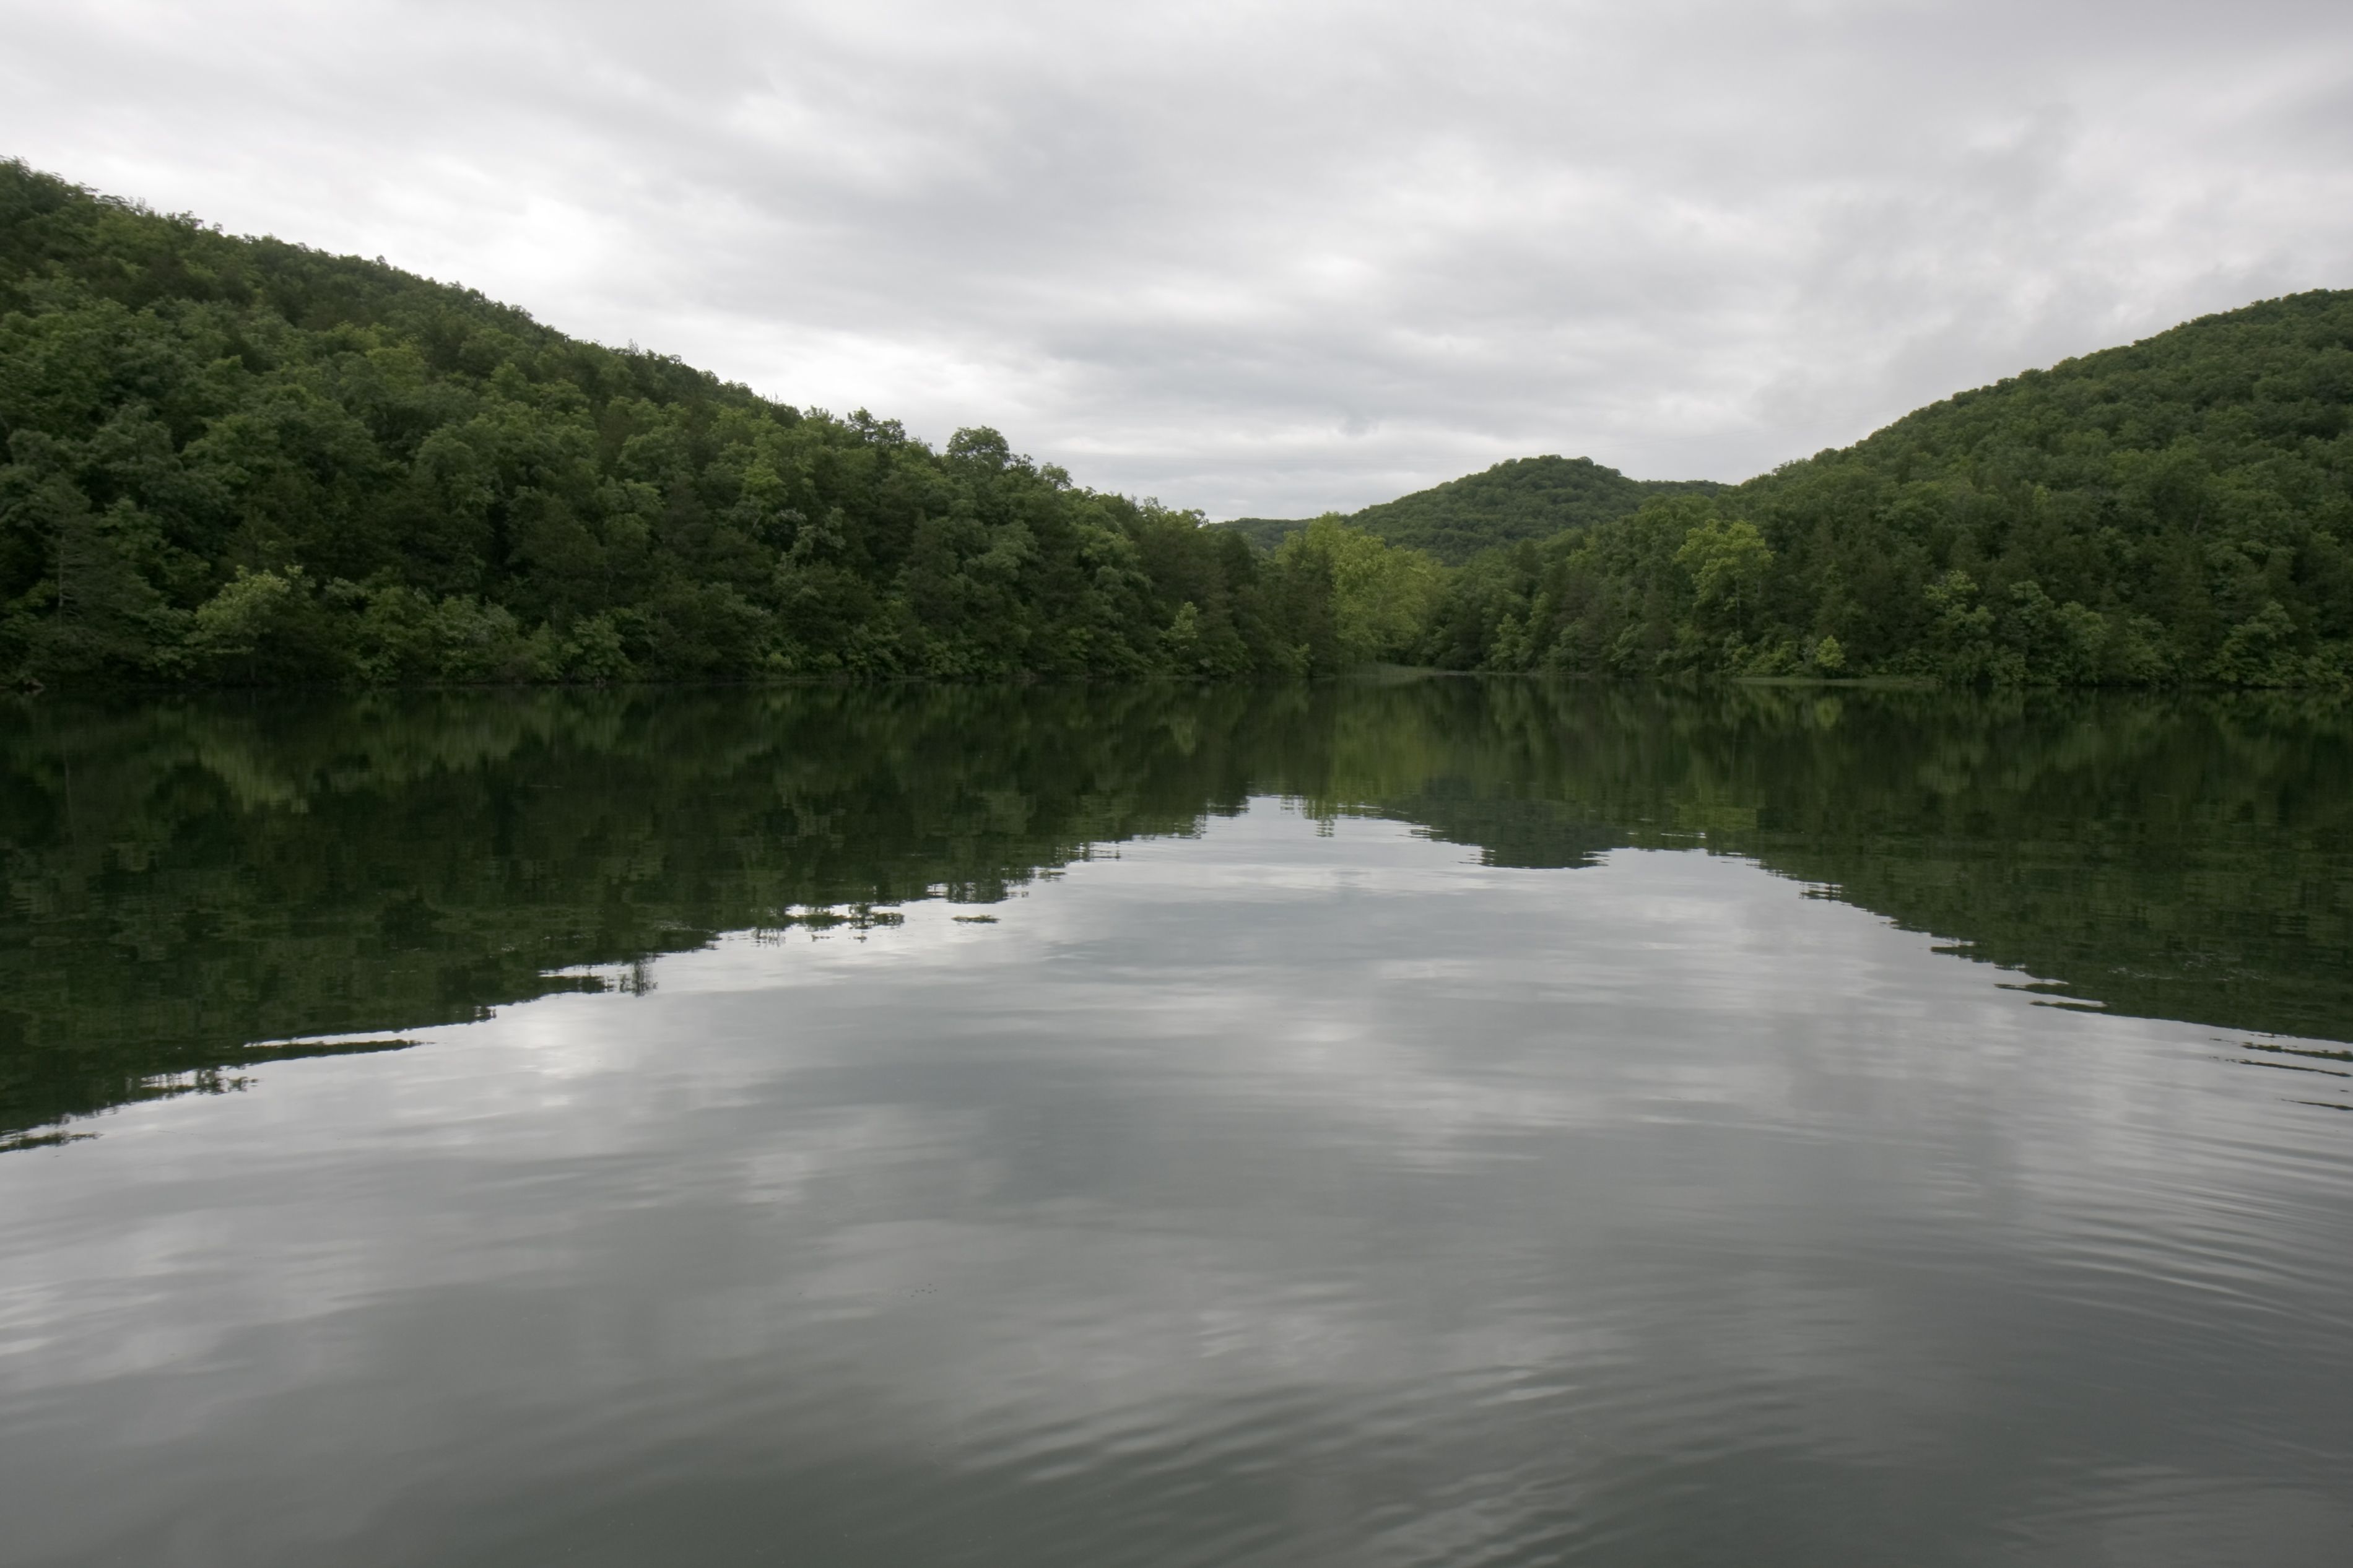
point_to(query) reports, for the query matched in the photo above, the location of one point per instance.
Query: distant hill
(1521, 499)
(1266, 533)
(1525, 498)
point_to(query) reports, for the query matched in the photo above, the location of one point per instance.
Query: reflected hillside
(189, 882)
(2177, 857)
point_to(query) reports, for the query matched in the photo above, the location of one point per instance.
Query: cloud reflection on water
(1261, 1196)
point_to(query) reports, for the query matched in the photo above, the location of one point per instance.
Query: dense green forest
(242, 461)
(191, 876)
(2179, 511)
(233, 461)
(1525, 498)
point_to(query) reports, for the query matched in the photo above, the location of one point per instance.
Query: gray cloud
(1260, 258)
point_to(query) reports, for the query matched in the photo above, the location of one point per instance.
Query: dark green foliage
(2173, 511)
(241, 461)
(1266, 533)
(1524, 499)
(233, 461)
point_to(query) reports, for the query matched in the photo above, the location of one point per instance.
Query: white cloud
(1266, 258)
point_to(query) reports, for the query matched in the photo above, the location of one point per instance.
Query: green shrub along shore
(241, 461)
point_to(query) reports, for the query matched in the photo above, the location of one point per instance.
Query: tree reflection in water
(199, 885)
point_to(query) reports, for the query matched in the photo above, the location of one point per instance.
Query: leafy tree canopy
(1524, 499)
(240, 462)
(2176, 510)
(233, 460)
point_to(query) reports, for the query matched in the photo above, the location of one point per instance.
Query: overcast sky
(1264, 258)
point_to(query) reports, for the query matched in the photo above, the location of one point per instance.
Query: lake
(1412, 1122)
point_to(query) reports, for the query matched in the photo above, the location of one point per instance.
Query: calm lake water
(1429, 1124)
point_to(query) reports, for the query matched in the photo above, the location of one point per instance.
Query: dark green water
(1434, 1123)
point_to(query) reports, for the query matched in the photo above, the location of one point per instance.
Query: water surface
(1436, 1123)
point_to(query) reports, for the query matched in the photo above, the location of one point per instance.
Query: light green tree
(1727, 560)
(1383, 597)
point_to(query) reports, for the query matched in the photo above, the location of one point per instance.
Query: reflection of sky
(1258, 1198)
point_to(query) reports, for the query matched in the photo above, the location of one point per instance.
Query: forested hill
(1526, 498)
(2178, 510)
(242, 461)
(232, 460)
(1523, 499)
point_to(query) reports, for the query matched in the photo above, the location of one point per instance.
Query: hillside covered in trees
(238, 461)
(1523, 499)
(2176, 510)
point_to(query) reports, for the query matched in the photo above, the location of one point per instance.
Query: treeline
(2175, 511)
(241, 461)
(236, 461)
